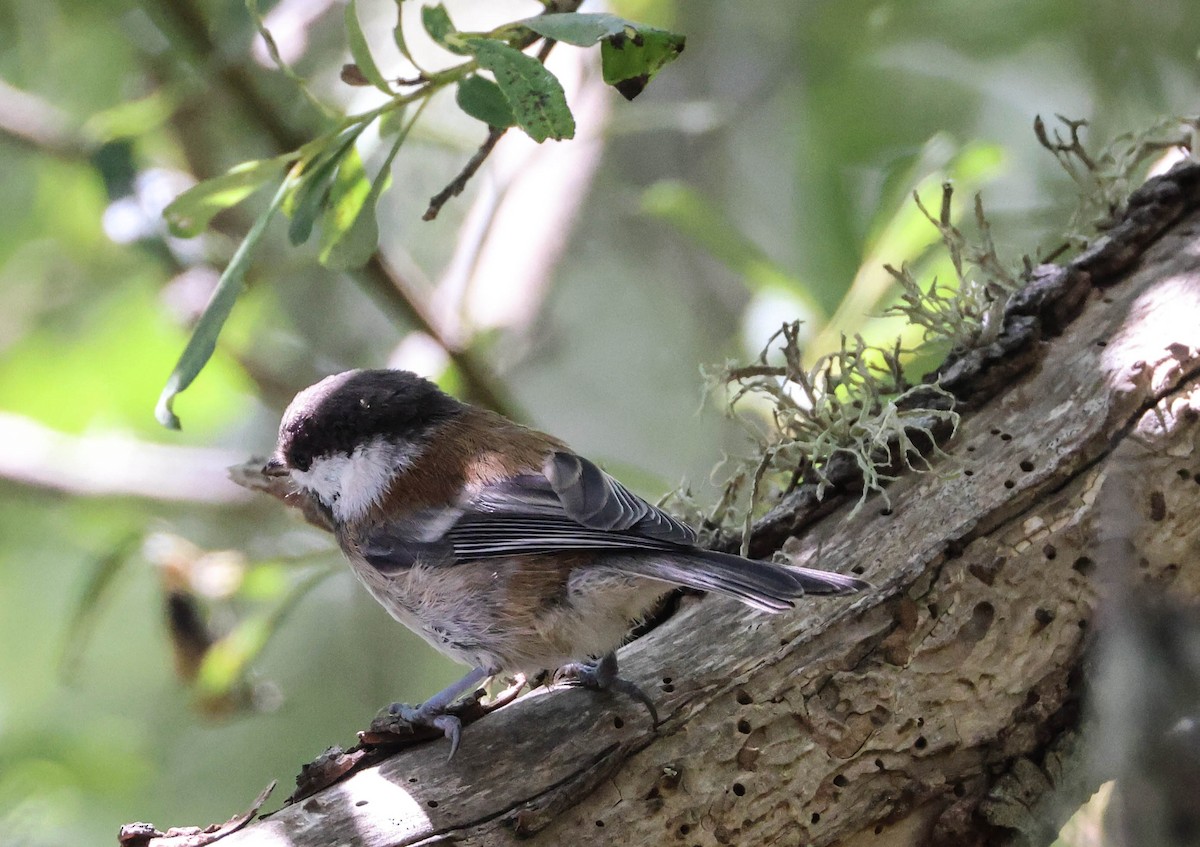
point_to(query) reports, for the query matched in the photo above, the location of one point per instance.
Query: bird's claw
(602, 676)
(433, 718)
(451, 727)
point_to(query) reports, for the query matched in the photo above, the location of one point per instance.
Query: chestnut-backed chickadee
(496, 543)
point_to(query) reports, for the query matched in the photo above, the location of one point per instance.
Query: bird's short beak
(275, 467)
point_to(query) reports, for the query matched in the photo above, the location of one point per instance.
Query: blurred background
(169, 643)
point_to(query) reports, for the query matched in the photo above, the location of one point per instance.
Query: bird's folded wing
(572, 506)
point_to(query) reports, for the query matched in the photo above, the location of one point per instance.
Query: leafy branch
(324, 184)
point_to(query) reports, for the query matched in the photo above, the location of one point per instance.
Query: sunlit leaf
(265, 581)
(226, 662)
(347, 194)
(346, 213)
(306, 157)
(311, 190)
(361, 51)
(354, 247)
(203, 342)
(901, 234)
(190, 212)
(535, 95)
(483, 100)
(354, 233)
(133, 118)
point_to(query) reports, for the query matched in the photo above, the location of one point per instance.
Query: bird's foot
(430, 716)
(602, 676)
(439, 712)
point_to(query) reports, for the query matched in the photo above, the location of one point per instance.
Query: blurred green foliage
(761, 178)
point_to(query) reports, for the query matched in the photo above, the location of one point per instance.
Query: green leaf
(203, 342)
(398, 33)
(311, 191)
(345, 215)
(360, 51)
(227, 662)
(631, 53)
(308, 198)
(347, 194)
(351, 232)
(632, 58)
(189, 213)
(579, 28)
(132, 118)
(306, 203)
(483, 100)
(437, 23)
(538, 103)
(355, 245)
(352, 229)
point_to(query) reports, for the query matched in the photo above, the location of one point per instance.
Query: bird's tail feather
(763, 585)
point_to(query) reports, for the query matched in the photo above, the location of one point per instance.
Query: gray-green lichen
(849, 402)
(970, 313)
(857, 402)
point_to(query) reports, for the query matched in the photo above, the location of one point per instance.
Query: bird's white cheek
(351, 485)
(324, 478)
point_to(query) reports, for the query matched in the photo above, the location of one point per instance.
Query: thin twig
(495, 133)
(457, 185)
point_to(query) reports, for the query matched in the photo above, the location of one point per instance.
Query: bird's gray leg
(602, 676)
(432, 713)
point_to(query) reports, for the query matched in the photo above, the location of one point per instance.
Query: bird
(496, 543)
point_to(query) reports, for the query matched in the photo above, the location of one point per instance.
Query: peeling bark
(943, 707)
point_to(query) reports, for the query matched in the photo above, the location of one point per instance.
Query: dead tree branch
(942, 708)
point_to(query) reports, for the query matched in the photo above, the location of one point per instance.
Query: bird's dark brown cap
(348, 410)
